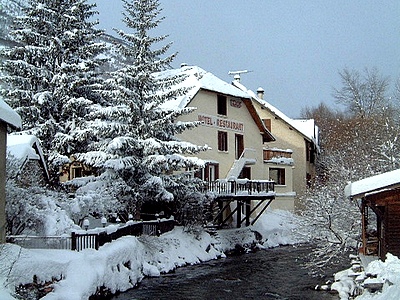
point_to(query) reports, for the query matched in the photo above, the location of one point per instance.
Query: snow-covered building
(295, 147)
(235, 132)
(8, 117)
(27, 152)
(379, 198)
(75, 169)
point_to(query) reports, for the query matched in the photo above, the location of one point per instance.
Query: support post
(364, 223)
(3, 147)
(248, 212)
(221, 209)
(239, 213)
(73, 241)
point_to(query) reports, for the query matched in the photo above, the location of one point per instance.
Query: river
(266, 274)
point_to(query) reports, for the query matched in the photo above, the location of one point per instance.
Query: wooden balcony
(241, 199)
(223, 188)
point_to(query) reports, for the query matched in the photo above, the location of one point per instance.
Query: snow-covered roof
(25, 147)
(306, 127)
(8, 115)
(373, 184)
(197, 79)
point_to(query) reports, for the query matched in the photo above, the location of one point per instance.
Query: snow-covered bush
(190, 204)
(96, 196)
(33, 209)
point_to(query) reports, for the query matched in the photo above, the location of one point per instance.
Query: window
(239, 145)
(245, 173)
(222, 105)
(277, 175)
(222, 141)
(76, 172)
(310, 153)
(267, 123)
(209, 173)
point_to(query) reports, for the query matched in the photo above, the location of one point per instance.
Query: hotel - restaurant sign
(221, 123)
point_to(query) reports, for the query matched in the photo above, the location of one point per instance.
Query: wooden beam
(222, 209)
(261, 212)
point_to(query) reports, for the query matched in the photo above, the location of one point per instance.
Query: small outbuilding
(379, 202)
(8, 118)
(27, 152)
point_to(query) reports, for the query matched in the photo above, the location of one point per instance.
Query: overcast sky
(293, 48)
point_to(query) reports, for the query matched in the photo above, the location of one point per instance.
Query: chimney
(260, 93)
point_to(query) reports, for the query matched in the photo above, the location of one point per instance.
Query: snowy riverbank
(378, 281)
(120, 265)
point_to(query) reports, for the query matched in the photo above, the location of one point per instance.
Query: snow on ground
(377, 273)
(387, 272)
(120, 265)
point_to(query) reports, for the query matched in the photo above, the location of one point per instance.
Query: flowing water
(266, 274)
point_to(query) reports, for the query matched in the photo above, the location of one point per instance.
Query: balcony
(240, 187)
(240, 201)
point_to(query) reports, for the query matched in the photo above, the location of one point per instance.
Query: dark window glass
(222, 141)
(277, 175)
(221, 105)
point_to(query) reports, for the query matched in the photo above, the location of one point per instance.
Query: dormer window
(222, 105)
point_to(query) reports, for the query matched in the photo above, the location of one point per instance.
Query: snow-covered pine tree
(136, 137)
(49, 75)
(9, 9)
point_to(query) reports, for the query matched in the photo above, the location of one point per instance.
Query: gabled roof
(24, 148)
(8, 115)
(198, 79)
(373, 184)
(305, 127)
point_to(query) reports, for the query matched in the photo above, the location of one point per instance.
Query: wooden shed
(379, 202)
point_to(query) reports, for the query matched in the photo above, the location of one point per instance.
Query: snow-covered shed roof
(24, 148)
(372, 184)
(306, 127)
(196, 79)
(8, 115)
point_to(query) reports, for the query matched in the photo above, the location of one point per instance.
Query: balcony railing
(240, 187)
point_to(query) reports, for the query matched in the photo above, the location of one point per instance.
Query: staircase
(246, 158)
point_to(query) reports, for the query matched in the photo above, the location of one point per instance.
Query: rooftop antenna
(236, 74)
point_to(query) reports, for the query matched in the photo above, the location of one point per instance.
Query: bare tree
(359, 142)
(363, 95)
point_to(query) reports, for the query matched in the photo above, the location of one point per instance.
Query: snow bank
(278, 228)
(387, 272)
(379, 281)
(120, 265)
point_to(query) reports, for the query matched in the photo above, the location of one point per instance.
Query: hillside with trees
(357, 142)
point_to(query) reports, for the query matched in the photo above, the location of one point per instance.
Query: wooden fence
(82, 241)
(89, 240)
(41, 242)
